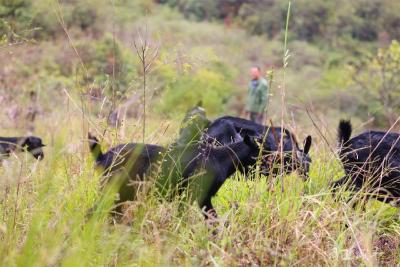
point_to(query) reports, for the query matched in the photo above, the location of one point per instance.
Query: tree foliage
(379, 82)
(39, 19)
(363, 20)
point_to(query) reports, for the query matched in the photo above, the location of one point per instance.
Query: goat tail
(344, 132)
(94, 146)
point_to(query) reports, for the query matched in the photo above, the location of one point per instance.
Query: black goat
(371, 163)
(32, 144)
(130, 161)
(230, 129)
(204, 168)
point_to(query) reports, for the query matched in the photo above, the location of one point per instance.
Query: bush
(106, 65)
(15, 15)
(39, 18)
(213, 86)
(111, 66)
(311, 20)
(378, 82)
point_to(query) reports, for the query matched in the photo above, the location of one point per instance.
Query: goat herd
(207, 153)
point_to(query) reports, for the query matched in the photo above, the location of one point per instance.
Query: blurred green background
(344, 57)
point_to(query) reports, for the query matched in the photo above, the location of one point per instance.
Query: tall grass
(43, 207)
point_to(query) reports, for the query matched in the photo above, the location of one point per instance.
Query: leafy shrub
(14, 16)
(110, 65)
(311, 20)
(211, 85)
(40, 18)
(197, 10)
(107, 64)
(84, 16)
(378, 82)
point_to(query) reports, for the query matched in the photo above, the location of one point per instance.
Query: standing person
(257, 96)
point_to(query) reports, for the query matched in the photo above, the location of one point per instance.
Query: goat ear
(307, 144)
(200, 103)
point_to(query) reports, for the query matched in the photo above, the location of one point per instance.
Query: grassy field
(43, 206)
(264, 221)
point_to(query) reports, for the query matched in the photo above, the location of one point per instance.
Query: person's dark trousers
(257, 117)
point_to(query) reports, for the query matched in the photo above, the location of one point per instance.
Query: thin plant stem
(285, 63)
(147, 55)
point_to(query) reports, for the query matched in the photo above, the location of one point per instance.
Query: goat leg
(336, 184)
(353, 186)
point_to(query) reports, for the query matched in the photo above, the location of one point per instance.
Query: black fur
(230, 129)
(130, 162)
(216, 164)
(31, 144)
(210, 166)
(371, 162)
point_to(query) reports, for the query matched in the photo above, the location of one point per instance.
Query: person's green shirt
(257, 96)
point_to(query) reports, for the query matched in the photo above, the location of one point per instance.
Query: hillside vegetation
(75, 63)
(90, 43)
